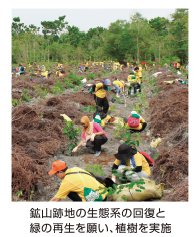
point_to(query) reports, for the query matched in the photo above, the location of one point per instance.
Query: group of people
(80, 185)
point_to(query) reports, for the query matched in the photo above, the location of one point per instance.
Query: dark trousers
(102, 102)
(135, 87)
(99, 140)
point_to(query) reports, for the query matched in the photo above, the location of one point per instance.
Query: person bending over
(92, 136)
(77, 184)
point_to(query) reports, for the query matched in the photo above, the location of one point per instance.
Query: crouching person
(77, 184)
(135, 122)
(92, 136)
(135, 163)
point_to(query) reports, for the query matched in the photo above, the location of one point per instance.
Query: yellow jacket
(118, 83)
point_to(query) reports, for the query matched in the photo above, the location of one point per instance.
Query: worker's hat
(57, 165)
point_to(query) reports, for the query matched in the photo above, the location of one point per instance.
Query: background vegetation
(157, 40)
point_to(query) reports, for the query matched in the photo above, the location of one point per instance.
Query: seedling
(163, 172)
(32, 194)
(89, 109)
(95, 169)
(41, 115)
(19, 193)
(72, 133)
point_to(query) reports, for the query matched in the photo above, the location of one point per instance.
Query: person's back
(76, 182)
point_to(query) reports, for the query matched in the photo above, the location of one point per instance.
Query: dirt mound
(37, 134)
(85, 99)
(169, 120)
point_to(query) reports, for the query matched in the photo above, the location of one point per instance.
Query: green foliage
(95, 169)
(56, 90)
(19, 193)
(90, 109)
(156, 156)
(72, 133)
(41, 115)
(32, 194)
(91, 76)
(134, 40)
(16, 102)
(152, 81)
(25, 96)
(142, 100)
(138, 109)
(118, 188)
(163, 172)
(123, 132)
(119, 100)
(40, 91)
(112, 109)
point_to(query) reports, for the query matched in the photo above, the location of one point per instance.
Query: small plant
(89, 109)
(32, 194)
(130, 138)
(41, 115)
(26, 97)
(118, 188)
(119, 100)
(56, 90)
(19, 193)
(156, 156)
(163, 172)
(152, 81)
(16, 102)
(138, 109)
(95, 169)
(91, 76)
(112, 109)
(72, 133)
(40, 91)
(142, 100)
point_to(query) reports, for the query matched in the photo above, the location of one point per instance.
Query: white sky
(85, 19)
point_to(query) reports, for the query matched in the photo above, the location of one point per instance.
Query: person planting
(135, 163)
(100, 94)
(92, 136)
(134, 83)
(138, 76)
(118, 85)
(77, 184)
(135, 122)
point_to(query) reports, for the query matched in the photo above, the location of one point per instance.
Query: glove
(91, 90)
(92, 137)
(109, 88)
(75, 149)
(113, 180)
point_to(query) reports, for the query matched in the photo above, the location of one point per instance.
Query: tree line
(158, 40)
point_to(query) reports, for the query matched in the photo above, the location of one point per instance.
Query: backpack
(22, 68)
(133, 122)
(148, 158)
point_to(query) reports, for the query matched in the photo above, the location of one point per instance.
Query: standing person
(138, 76)
(136, 164)
(100, 90)
(119, 86)
(178, 66)
(92, 135)
(134, 83)
(77, 184)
